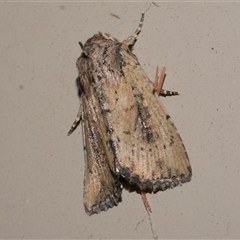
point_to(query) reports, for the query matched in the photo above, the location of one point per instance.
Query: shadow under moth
(129, 139)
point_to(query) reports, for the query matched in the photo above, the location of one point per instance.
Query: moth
(129, 139)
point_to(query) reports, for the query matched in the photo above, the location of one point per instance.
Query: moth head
(97, 41)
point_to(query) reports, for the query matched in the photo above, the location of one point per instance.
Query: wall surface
(42, 169)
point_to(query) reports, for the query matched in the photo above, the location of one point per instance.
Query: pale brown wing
(149, 151)
(102, 189)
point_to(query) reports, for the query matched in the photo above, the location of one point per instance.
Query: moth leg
(145, 201)
(77, 121)
(158, 84)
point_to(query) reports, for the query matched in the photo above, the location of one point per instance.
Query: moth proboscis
(129, 139)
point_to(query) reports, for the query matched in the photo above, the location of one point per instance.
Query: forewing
(102, 189)
(149, 151)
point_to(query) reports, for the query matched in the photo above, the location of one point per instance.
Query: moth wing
(149, 150)
(102, 189)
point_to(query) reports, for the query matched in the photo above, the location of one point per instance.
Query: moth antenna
(130, 41)
(150, 6)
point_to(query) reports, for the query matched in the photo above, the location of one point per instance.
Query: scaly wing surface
(102, 189)
(148, 150)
